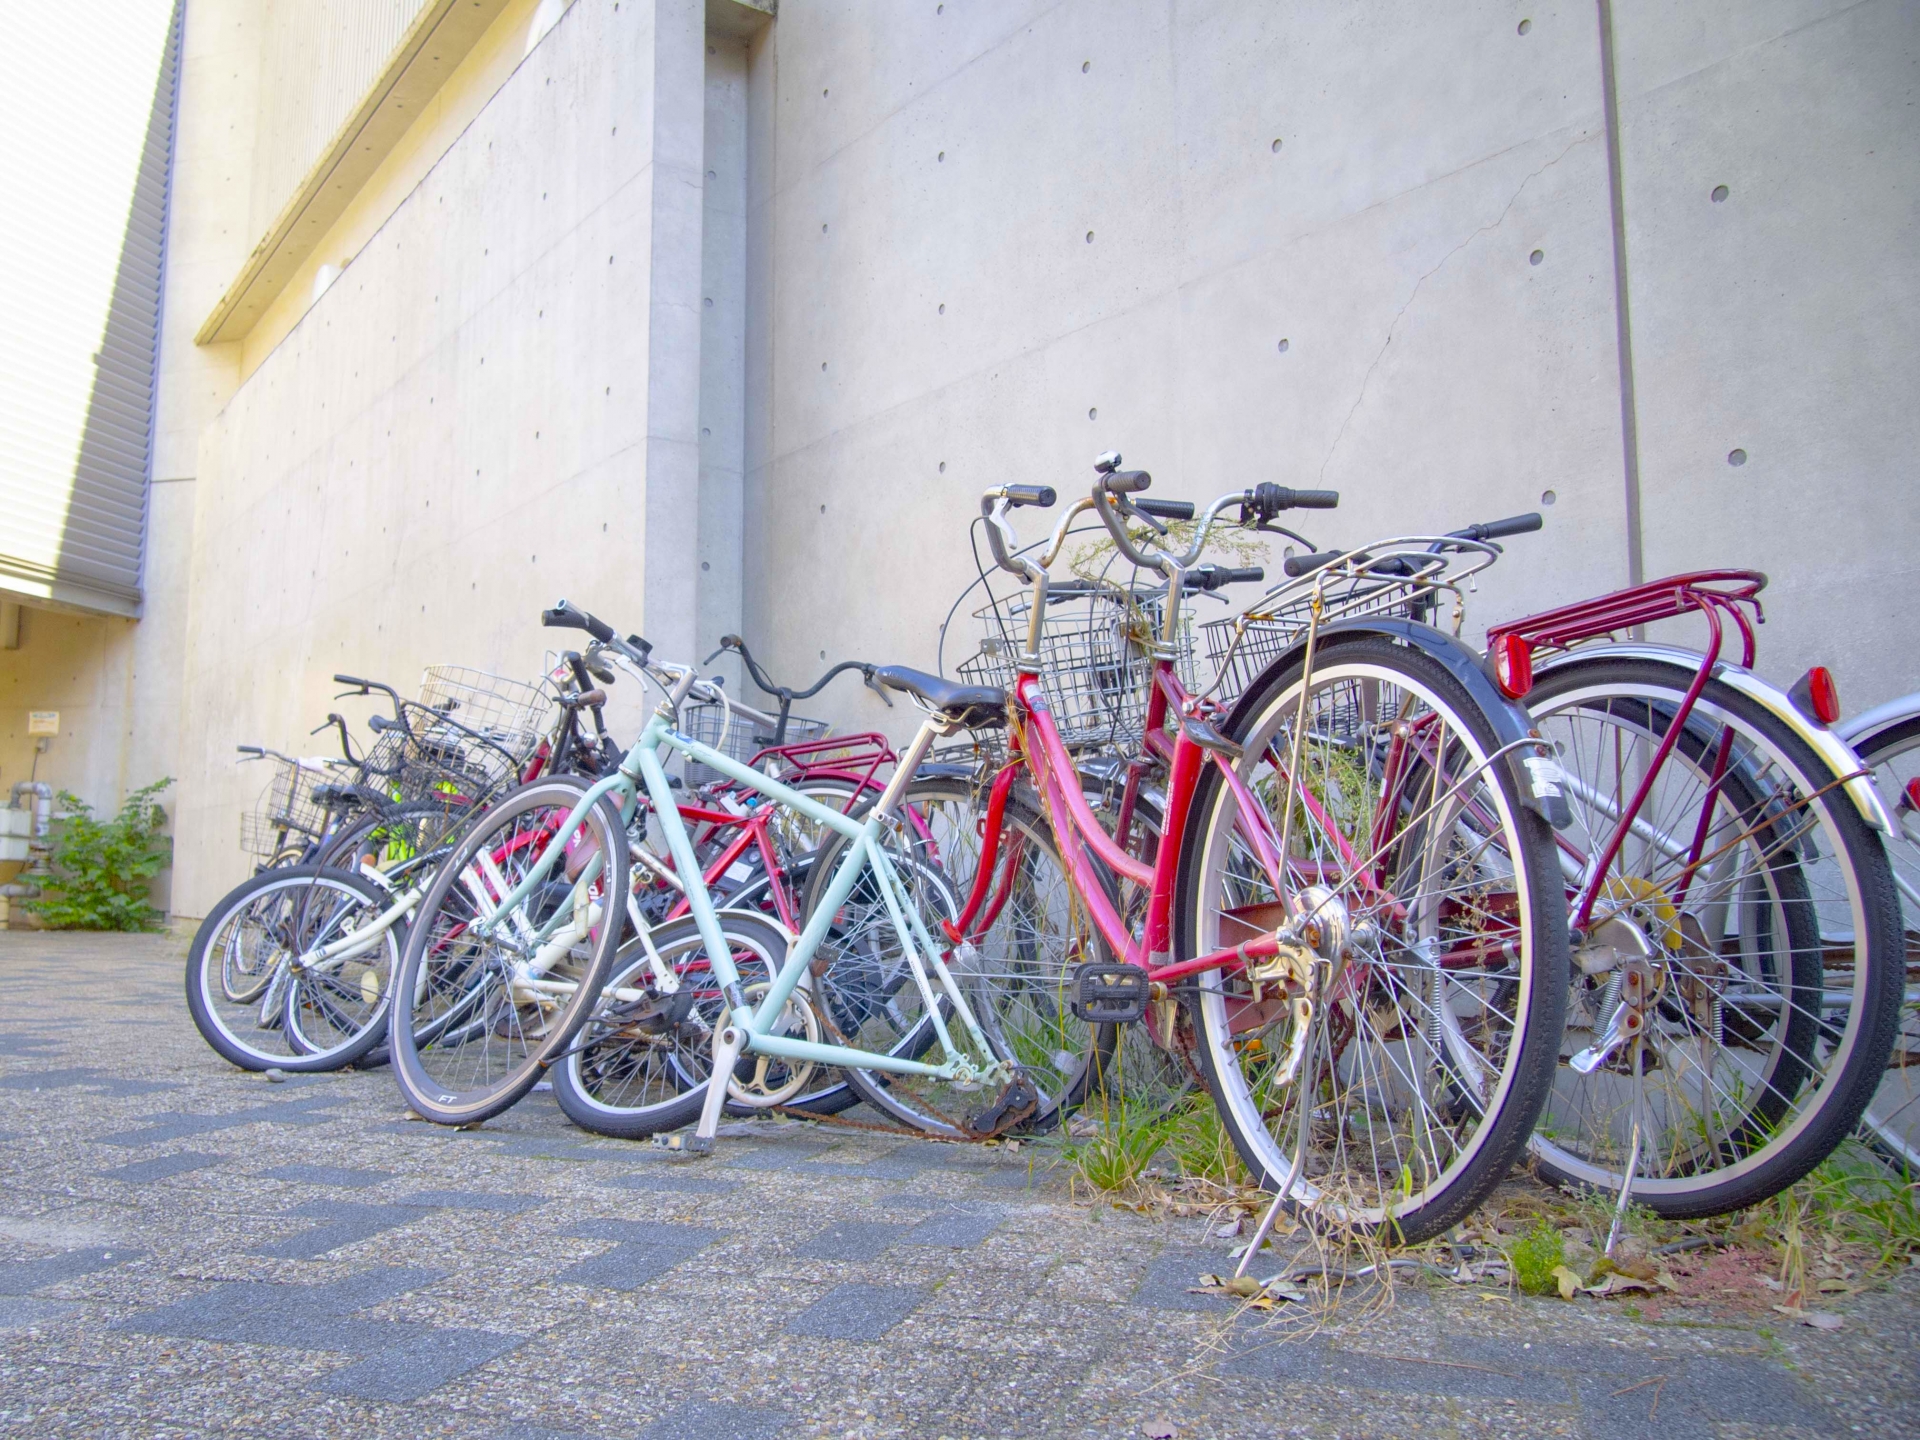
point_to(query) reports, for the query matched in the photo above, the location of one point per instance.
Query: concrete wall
(1126, 208)
(494, 407)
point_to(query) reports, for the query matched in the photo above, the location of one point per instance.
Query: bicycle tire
(1761, 1124)
(291, 909)
(642, 1062)
(1477, 1040)
(461, 993)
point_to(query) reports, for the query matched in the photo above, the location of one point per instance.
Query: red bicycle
(1353, 897)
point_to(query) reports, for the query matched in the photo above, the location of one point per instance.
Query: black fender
(1510, 721)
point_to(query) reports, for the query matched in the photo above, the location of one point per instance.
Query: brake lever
(874, 685)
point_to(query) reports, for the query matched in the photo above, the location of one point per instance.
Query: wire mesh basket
(1096, 656)
(287, 816)
(1395, 578)
(508, 713)
(737, 734)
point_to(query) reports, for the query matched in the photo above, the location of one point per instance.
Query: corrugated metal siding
(73, 473)
(318, 60)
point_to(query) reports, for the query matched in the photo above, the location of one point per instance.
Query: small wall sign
(43, 722)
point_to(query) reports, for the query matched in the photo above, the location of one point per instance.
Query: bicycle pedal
(1015, 1103)
(684, 1143)
(1110, 994)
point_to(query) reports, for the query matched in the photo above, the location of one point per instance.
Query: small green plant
(101, 868)
(1535, 1256)
(1200, 1144)
(1118, 1153)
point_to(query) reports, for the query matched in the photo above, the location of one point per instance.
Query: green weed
(1535, 1256)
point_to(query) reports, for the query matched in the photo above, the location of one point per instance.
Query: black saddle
(978, 707)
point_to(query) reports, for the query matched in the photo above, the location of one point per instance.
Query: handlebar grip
(1498, 529)
(1040, 496)
(1166, 509)
(584, 699)
(353, 680)
(1298, 565)
(1311, 499)
(564, 617)
(1126, 482)
(1217, 577)
(381, 722)
(255, 749)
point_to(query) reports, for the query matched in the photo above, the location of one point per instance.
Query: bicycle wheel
(480, 1014)
(1032, 935)
(258, 1004)
(1770, 969)
(642, 1061)
(1406, 1090)
(1892, 1121)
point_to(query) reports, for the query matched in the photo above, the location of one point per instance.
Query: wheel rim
(1717, 1100)
(1411, 1063)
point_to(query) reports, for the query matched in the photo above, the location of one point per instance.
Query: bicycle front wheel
(1402, 1093)
(485, 1001)
(256, 993)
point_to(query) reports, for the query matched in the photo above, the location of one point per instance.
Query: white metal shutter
(86, 146)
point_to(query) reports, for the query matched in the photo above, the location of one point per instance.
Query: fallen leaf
(1568, 1281)
(1159, 1430)
(1834, 1287)
(1821, 1319)
(1228, 1230)
(1618, 1284)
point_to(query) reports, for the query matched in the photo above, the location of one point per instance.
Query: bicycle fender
(1510, 721)
(1831, 749)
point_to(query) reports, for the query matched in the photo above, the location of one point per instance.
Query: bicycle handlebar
(565, 617)
(1498, 529)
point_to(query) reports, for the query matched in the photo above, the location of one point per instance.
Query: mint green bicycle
(521, 959)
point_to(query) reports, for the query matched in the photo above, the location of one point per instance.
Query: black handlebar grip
(353, 680)
(1165, 509)
(380, 722)
(255, 749)
(565, 617)
(1217, 577)
(1298, 565)
(1512, 525)
(1126, 482)
(1041, 496)
(1313, 499)
(1251, 575)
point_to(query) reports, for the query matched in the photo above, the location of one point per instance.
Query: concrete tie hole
(1085, 66)
(1284, 347)
(1536, 257)
(943, 467)
(1525, 26)
(1276, 147)
(1736, 458)
(1089, 237)
(943, 309)
(1719, 194)
(1093, 414)
(1547, 497)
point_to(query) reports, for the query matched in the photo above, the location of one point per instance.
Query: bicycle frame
(642, 768)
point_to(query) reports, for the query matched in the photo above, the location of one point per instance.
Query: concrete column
(670, 603)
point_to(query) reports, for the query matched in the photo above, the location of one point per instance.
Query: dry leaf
(1228, 1230)
(1821, 1319)
(1159, 1430)
(1568, 1281)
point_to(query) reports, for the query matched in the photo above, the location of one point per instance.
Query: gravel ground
(189, 1250)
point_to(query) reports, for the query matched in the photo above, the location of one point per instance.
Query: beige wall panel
(459, 432)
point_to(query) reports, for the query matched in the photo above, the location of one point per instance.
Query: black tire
(1478, 1040)
(642, 1062)
(1807, 959)
(277, 1017)
(469, 1037)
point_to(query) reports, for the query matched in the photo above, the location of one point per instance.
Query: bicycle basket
(508, 713)
(736, 734)
(1096, 656)
(1393, 578)
(287, 815)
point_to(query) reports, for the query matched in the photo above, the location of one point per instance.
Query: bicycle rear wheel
(642, 1063)
(1892, 1120)
(1409, 1088)
(1773, 962)
(480, 1013)
(255, 1001)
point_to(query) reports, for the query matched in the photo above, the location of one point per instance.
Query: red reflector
(1817, 696)
(1911, 795)
(1513, 666)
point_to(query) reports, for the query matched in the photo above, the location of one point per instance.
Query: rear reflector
(1513, 666)
(1816, 696)
(1910, 797)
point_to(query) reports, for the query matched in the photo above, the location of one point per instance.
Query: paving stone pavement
(186, 1250)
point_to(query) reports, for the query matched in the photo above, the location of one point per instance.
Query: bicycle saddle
(978, 707)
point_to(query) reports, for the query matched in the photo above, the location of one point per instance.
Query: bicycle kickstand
(727, 1046)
